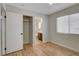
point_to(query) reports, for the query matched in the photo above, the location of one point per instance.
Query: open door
(14, 30)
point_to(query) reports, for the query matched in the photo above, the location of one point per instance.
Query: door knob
(21, 33)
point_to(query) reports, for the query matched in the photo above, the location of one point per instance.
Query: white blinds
(68, 24)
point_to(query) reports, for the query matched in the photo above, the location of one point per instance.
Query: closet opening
(27, 30)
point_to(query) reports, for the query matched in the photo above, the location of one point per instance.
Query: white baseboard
(64, 46)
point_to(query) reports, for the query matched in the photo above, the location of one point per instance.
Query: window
(62, 24)
(68, 24)
(74, 23)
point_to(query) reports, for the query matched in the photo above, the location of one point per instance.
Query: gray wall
(30, 30)
(67, 40)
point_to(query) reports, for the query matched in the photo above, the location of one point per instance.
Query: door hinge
(5, 48)
(5, 16)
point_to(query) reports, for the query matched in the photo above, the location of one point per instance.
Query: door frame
(32, 28)
(3, 48)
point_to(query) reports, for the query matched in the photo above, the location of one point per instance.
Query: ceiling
(43, 8)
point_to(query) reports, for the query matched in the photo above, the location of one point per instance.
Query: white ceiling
(43, 8)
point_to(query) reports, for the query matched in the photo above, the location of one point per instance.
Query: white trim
(65, 46)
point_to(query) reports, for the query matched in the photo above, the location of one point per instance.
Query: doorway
(27, 30)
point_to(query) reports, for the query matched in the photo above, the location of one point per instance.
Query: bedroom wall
(67, 40)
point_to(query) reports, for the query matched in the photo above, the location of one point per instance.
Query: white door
(14, 28)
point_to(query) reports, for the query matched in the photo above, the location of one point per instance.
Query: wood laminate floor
(44, 49)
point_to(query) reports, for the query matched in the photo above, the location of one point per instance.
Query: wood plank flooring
(44, 49)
